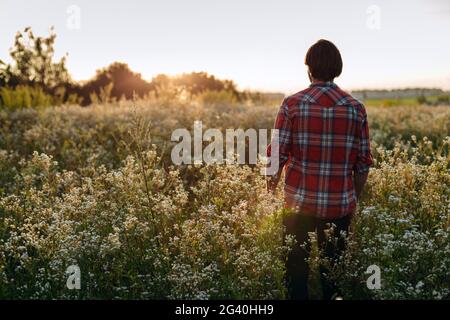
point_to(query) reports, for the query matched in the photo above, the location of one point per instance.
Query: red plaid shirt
(323, 138)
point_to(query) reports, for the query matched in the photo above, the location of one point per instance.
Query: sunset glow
(260, 45)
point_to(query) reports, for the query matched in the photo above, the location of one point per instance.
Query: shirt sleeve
(283, 128)
(364, 159)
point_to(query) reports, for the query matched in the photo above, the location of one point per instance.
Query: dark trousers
(330, 242)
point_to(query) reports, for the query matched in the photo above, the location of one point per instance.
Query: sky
(259, 44)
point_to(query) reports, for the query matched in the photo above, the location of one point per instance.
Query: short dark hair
(324, 60)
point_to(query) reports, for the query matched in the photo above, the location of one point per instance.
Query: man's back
(323, 138)
(323, 142)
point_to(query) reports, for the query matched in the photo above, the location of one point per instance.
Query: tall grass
(95, 187)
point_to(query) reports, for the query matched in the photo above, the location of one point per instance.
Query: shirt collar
(329, 84)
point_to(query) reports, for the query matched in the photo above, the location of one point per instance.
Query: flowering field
(95, 187)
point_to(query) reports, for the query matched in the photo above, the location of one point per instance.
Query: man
(324, 147)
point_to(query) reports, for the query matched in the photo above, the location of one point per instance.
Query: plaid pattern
(323, 138)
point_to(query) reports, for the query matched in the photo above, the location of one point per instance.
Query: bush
(24, 97)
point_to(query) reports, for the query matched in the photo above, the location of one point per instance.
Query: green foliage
(34, 79)
(422, 100)
(33, 62)
(217, 98)
(389, 126)
(445, 98)
(24, 97)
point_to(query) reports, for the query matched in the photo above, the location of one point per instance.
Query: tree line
(34, 78)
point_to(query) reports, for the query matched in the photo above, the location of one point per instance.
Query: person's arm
(360, 180)
(281, 139)
(364, 158)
